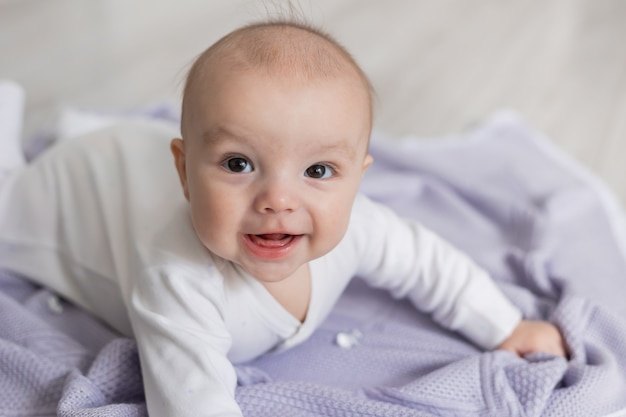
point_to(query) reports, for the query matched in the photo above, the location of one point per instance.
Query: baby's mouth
(271, 246)
(271, 240)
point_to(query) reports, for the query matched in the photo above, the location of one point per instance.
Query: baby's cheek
(338, 224)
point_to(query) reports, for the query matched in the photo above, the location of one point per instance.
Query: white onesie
(103, 221)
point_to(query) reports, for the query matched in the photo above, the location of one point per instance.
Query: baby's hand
(535, 336)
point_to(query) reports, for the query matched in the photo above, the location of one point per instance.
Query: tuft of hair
(284, 47)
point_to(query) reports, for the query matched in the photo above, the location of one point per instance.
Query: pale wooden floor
(438, 65)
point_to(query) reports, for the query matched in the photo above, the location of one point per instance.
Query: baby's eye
(238, 164)
(319, 171)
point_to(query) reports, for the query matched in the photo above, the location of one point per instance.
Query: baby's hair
(281, 47)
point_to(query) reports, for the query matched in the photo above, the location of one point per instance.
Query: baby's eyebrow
(218, 133)
(337, 147)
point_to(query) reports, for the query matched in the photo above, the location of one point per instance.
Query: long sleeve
(183, 344)
(411, 261)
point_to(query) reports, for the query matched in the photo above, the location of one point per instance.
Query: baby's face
(271, 168)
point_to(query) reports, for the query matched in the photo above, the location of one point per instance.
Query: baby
(267, 232)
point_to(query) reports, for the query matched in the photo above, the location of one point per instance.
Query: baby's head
(284, 50)
(276, 123)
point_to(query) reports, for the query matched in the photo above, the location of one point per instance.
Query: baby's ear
(177, 147)
(367, 162)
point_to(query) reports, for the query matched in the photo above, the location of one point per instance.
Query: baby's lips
(271, 240)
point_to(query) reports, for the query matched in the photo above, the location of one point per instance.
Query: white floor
(437, 65)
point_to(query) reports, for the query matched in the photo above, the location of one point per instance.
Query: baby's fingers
(535, 336)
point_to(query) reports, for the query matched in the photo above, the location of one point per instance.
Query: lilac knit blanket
(551, 235)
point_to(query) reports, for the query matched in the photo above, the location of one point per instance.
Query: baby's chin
(271, 274)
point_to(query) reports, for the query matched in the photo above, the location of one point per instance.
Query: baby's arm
(183, 343)
(411, 261)
(535, 336)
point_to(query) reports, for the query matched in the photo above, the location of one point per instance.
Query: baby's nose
(277, 197)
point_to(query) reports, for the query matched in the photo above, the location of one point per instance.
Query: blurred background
(438, 66)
